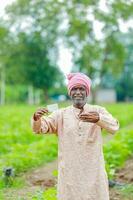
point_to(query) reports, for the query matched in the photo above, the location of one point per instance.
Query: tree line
(32, 32)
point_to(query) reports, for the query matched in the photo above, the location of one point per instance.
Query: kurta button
(90, 140)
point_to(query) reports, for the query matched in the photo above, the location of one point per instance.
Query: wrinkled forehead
(79, 86)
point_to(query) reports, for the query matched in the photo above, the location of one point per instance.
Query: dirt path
(35, 180)
(124, 175)
(42, 178)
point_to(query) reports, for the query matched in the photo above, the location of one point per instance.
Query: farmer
(81, 168)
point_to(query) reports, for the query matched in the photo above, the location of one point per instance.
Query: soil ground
(42, 178)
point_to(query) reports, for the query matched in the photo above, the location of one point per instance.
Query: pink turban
(75, 79)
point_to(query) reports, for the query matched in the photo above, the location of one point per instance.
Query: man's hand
(38, 114)
(89, 117)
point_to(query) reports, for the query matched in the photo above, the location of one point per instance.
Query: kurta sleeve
(46, 124)
(107, 121)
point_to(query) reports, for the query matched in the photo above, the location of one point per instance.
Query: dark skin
(39, 113)
(79, 99)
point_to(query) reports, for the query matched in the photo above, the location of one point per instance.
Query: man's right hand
(39, 113)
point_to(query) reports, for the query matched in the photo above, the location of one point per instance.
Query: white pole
(30, 95)
(37, 97)
(2, 89)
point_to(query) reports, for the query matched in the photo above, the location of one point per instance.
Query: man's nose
(78, 91)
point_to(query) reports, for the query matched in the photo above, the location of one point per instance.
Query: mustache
(78, 96)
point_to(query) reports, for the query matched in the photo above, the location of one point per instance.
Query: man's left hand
(89, 117)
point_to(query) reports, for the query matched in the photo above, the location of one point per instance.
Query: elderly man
(81, 168)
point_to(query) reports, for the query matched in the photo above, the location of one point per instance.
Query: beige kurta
(81, 168)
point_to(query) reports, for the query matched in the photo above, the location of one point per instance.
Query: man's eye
(81, 88)
(74, 89)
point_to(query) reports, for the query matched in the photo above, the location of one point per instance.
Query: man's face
(78, 96)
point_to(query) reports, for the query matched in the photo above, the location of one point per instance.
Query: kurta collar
(77, 110)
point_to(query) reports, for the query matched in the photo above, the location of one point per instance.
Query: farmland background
(39, 42)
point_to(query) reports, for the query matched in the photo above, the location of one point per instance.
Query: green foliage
(24, 150)
(122, 112)
(124, 85)
(30, 53)
(55, 173)
(30, 63)
(118, 150)
(21, 148)
(16, 93)
(1, 195)
(127, 191)
(49, 194)
(38, 196)
(30, 56)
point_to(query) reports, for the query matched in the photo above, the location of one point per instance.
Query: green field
(22, 150)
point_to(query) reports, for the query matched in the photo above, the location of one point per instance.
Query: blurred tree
(91, 55)
(78, 28)
(49, 22)
(30, 62)
(4, 43)
(31, 59)
(124, 84)
(36, 16)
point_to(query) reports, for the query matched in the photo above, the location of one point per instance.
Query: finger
(87, 121)
(83, 115)
(37, 116)
(87, 114)
(86, 117)
(40, 113)
(43, 110)
(90, 121)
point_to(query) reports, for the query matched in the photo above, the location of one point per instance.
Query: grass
(23, 150)
(127, 191)
(49, 194)
(118, 150)
(122, 111)
(20, 148)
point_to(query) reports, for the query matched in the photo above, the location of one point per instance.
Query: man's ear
(86, 94)
(70, 96)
